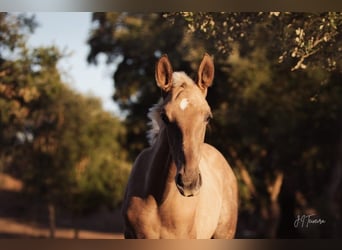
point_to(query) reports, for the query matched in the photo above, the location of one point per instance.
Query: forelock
(180, 78)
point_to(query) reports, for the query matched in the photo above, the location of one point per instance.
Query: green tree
(285, 66)
(14, 97)
(276, 101)
(64, 147)
(90, 142)
(292, 38)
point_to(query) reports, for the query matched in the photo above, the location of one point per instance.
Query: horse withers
(180, 187)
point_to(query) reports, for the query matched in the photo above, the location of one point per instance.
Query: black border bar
(170, 244)
(173, 5)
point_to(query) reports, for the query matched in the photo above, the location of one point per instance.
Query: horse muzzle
(188, 188)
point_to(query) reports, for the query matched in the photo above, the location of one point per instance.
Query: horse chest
(177, 220)
(167, 221)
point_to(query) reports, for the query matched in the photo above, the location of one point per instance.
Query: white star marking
(183, 104)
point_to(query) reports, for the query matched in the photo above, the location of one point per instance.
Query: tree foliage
(295, 38)
(67, 151)
(276, 100)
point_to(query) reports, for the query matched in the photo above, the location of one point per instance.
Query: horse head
(185, 114)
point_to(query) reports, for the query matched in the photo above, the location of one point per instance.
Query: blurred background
(75, 89)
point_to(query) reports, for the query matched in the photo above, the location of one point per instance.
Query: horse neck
(162, 169)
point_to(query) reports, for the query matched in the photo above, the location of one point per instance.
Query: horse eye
(165, 119)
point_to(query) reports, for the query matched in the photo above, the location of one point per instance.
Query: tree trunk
(274, 209)
(76, 227)
(333, 202)
(245, 176)
(333, 226)
(76, 232)
(270, 214)
(52, 219)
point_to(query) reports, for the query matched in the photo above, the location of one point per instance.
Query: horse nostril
(179, 180)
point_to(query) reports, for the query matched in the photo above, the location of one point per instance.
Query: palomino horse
(181, 187)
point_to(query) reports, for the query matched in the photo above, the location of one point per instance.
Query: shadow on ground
(20, 218)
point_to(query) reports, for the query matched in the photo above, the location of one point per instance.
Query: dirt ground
(21, 220)
(12, 229)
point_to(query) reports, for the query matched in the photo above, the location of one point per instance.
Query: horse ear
(205, 73)
(163, 73)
